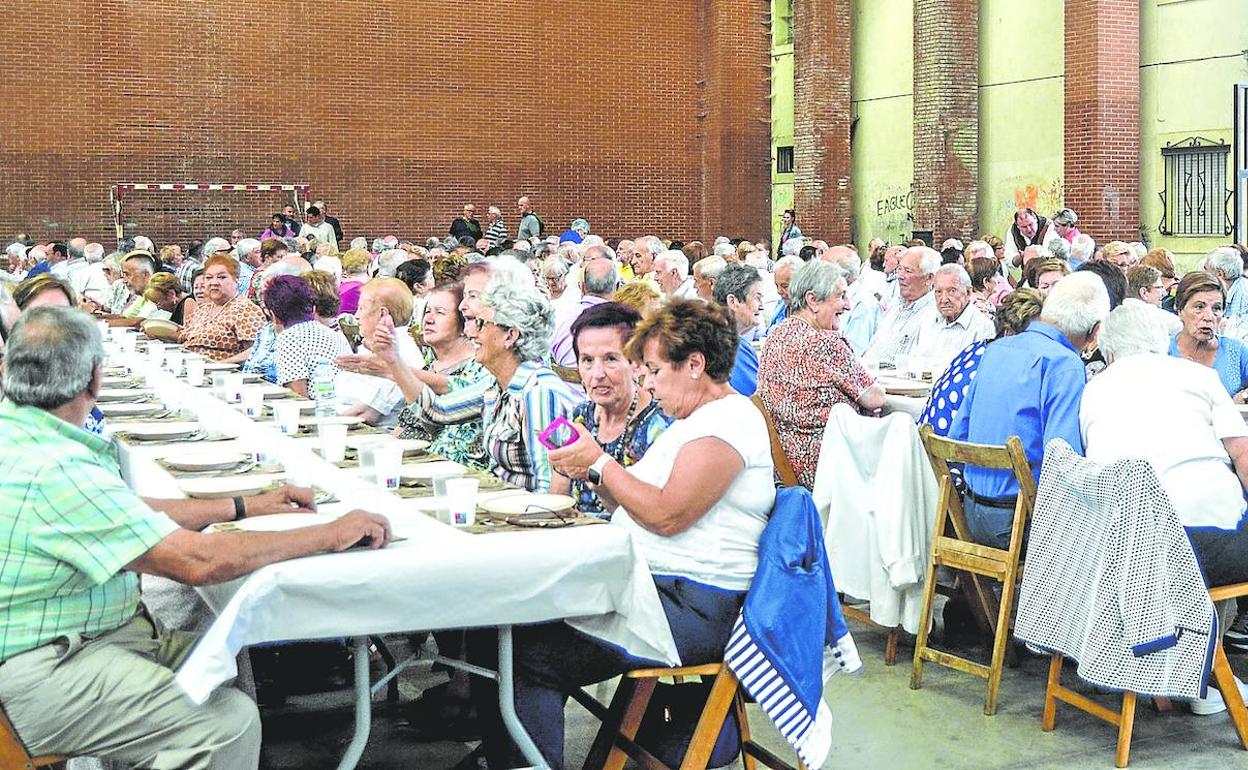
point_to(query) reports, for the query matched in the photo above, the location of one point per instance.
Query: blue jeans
(989, 525)
(553, 658)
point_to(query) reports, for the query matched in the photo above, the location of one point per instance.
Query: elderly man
(376, 399)
(576, 231)
(915, 307)
(496, 231)
(671, 270)
(600, 281)
(1028, 228)
(1225, 264)
(316, 227)
(466, 225)
(247, 252)
(739, 288)
(329, 220)
(86, 277)
(646, 250)
(136, 270)
(957, 325)
(706, 272)
(530, 223)
(84, 670)
(1028, 385)
(1081, 250)
(785, 269)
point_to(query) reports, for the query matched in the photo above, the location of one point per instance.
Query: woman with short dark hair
(303, 342)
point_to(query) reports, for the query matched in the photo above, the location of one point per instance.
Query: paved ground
(880, 723)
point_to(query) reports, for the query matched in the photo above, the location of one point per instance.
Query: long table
(437, 577)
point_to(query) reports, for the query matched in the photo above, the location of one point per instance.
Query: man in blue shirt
(739, 288)
(1028, 385)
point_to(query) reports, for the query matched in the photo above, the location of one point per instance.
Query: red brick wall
(946, 117)
(396, 111)
(821, 118)
(1102, 124)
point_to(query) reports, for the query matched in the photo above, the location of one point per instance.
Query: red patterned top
(802, 373)
(222, 331)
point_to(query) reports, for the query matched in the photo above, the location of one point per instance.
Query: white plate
(219, 366)
(431, 469)
(228, 486)
(121, 409)
(903, 386)
(122, 394)
(331, 419)
(145, 431)
(306, 407)
(280, 522)
(525, 502)
(113, 382)
(410, 446)
(204, 459)
(249, 377)
(272, 391)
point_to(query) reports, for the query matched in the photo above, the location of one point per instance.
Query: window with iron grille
(784, 160)
(1193, 201)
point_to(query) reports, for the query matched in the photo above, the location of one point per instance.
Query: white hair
(724, 249)
(814, 277)
(851, 263)
(650, 242)
(792, 262)
(495, 210)
(1227, 261)
(331, 265)
(1133, 328)
(212, 246)
(929, 258)
(246, 246)
(507, 269)
(711, 267)
(964, 278)
(144, 243)
(1076, 304)
(977, 249)
(389, 261)
(722, 239)
(93, 252)
(759, 259)
(1082, 247)
(1060, 248)
(359, 243)
(281, 267)
(792, 246)
(16, 250)
(673, 258)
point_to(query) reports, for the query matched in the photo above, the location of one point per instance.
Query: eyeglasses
(481, 323)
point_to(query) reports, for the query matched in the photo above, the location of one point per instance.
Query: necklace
(626, 437)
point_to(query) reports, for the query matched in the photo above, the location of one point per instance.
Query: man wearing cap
(466, 226)
(576, 232)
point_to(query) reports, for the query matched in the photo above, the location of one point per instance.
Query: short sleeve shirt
(222, 331)
(299, 347)
(69, 526)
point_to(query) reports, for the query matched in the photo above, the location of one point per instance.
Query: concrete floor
(879, 723)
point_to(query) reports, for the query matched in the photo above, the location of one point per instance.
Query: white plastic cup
(286, 415)
(333, 441)
(173, 361)
(439, 493)
(365, 451)
(126, 341)
(387, 459)
(461, 500)
(233, 387)
(195, 370)
(253, 402)
(218, 384)
(156, 352)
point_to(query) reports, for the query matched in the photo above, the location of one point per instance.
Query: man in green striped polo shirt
(83, 670)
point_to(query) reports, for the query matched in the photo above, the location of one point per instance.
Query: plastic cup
(333, 441)
(366, 452)
(233, 387)
(386, 462)
(173, 361)
(439, 492)
(218, 384)
(286, 415)
(156, 352)
(195, 370)
(461, 500)
(126, 341)
(253, 402)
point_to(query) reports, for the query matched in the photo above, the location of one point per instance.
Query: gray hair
(1065, 216)
(651, 243)
(580, 225)
(674, 258)
(94, 252)
(1133, 328)
(929, 258)
(245, 247)
(359, 243)
(330, 264)
(144, 243)
(964, 278)
(792, 246)
(282, 267)
(735, 281)
(1227, 261)
(796, 263)
(524, 309)
(75, 252)
(389, 261)
(977, 249)
(712, 267)
(1076, 304)
(1060, 248)
(724, 249)
(554, 266)
(495, 210)
(1082, 247)
(601, 283)
(50, 357)
(145, 262)
(509, 270)
(851, 263)
(814, 277)
(212, 246)
(16, 250)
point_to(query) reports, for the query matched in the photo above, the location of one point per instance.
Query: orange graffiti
(1026, 197)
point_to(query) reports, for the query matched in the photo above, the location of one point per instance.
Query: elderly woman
(302, 342)
(1064, 222)
(622, 417)
(695, 505)
(807, 367)
(355, 265)
(986, 276)
(1145, 284)
(1046, 272)
(225, 326)
(949, 390)
(164, 291)
(1200, 449)
(450, 368)
(325, 300)
(199, 292)
(640, 296)
(1201, 302)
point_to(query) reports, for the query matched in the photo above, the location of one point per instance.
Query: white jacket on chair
(877, 495)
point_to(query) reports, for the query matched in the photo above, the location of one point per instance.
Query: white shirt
(323, 232)
(688, 289)
(899, 327)
(872, 280)
(721, 548)
(378, 393)
(1173, 413)
(1011, 249)
(940, 341)
(88, 279)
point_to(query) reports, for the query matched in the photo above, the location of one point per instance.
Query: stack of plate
(205, 459)
(122, 394)
(160, 431)
(122, 409)
(228, 486)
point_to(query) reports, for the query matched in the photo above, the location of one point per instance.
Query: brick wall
(946, 117)
(821, 118)
(396, 111)
(1102, 123)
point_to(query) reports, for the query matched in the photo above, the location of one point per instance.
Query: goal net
(176, 212)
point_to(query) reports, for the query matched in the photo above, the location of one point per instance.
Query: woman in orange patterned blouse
(225, 325)
(807, 367)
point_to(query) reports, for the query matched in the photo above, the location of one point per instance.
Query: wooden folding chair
(952, 547)
(567, 373)
(1124, 718)
(620, 721)
(13, 754)
(788, 478)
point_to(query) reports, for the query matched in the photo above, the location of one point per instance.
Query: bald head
(835, 254)
(390, 294)
(601, 277)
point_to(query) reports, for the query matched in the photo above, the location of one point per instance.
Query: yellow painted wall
(1021, 79)
(781, 109)
(1190, 57)
(882, 99)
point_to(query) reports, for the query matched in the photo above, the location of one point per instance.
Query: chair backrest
(13, 753)
(784, 469)
(942, 451)
(567, 373)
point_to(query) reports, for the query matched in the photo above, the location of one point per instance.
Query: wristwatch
(595, 470)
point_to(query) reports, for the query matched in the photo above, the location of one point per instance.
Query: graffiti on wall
(892, 214)
(1044, 196)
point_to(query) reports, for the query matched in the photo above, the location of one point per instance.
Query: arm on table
(197, 514)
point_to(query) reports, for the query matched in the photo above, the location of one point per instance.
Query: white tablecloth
(437, 578)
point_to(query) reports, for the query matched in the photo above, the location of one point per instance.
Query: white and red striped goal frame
(115, 193)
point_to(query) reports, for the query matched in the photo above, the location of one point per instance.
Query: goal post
(126, 192)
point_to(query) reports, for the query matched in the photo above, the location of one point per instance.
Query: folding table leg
(507, 702)
(363, 706)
